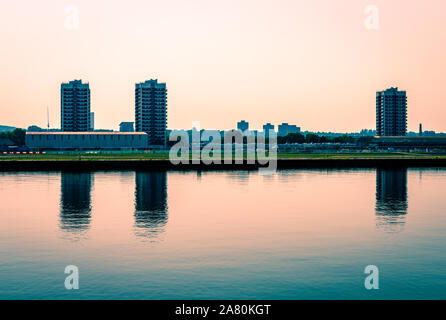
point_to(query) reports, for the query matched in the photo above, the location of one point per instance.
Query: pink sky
(307, 62)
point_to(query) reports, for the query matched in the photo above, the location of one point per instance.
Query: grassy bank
(165, 156)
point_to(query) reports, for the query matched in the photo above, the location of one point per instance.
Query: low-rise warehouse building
(86, 140)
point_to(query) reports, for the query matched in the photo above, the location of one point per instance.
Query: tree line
(17, 136)
(314, 138)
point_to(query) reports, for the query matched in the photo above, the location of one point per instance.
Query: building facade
(91, 121)
(86, 140)
(391, 112)
(243, 125)
(75, 106)
(285, 129)
(126, 127)
(151, 111)
(267, 130)
(267, 127)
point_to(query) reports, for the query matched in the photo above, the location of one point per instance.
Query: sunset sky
(312, 63)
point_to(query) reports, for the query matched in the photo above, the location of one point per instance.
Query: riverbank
(161, 162)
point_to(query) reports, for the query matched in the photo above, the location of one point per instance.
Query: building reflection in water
(75, 202)
(239, 177)
(391, 199)
(150, 204)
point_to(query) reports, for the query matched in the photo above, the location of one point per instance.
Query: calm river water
(297, 234)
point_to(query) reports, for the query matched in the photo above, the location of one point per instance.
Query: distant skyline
(309, 63)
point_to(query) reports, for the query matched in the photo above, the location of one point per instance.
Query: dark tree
(291, 138)
(17, 136)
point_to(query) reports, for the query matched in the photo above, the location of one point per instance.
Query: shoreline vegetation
(160, 161)
(82, 156)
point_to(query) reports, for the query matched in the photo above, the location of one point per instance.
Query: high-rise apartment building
(75, 106)
(151, 111)
(391, 112)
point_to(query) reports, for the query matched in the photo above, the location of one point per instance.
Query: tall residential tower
(391, 112)
(151, 111)
(75, 106)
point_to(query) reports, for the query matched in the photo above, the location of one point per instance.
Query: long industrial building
(86, 140)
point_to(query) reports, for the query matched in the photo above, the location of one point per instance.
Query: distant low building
(86, 140)
(243, 125)
(266, 129)
(126, 127)
(285, 129)
(367, 133)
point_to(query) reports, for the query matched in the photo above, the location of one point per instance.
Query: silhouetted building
(367, 133)
(75, 106)
(285, 129)
(75, 203)
(126, 127)
(391, 198)
(151, 111)
(91, 121)
(267, 127)
(391, 112)
(150, 203)
(243, 125)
